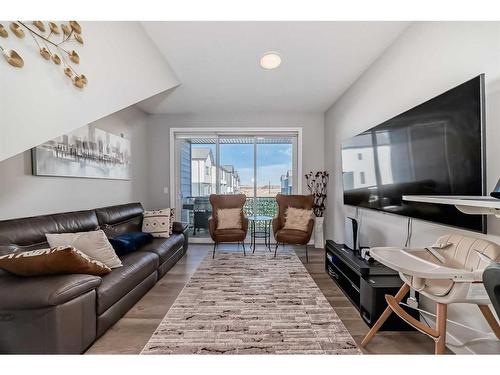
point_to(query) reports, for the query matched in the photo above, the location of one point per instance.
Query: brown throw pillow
(57, 260)
(297, 219)
(229, 218)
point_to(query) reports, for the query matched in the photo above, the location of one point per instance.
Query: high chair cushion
(438, 287)
(463, 252)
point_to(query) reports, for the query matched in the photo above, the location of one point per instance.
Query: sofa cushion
(31, 230)
(55, 261)
(131, 225)
(118, 214)
(120, 219)
(164, 247)
(135, 268)
(43, 291)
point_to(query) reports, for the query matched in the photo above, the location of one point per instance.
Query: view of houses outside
(204, 174)
(236, 176)
(277, 178)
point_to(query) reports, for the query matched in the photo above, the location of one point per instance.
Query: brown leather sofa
(67, 313)
(291, 236)
(224, 201)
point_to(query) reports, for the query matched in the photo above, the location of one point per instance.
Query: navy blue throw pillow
(129, 242)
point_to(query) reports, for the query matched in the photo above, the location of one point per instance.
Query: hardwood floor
(131, 333)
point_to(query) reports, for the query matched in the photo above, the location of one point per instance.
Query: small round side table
(258, 233)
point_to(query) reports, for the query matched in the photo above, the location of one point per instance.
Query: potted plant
(316, 183)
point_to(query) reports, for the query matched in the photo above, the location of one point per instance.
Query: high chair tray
(408, 262)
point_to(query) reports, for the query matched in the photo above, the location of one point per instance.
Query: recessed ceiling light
(270, 60)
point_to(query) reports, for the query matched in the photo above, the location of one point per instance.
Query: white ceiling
(218, 63)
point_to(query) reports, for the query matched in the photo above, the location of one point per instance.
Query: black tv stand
(365, 284)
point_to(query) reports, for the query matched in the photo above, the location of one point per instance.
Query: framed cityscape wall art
(87, 152)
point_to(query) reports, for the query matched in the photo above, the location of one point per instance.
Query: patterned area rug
(256, 304)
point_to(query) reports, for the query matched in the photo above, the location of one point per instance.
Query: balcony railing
(259, 206)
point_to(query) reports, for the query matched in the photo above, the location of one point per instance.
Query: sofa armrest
(179, 227)
(20, 293)
(182, 228)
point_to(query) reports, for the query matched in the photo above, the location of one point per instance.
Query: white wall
(22, 194)
(38, 102)
(159, 133)
(428, 59)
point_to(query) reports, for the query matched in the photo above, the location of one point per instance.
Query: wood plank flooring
(131, 333)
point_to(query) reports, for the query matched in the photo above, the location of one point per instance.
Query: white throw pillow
(229, 218)
(297, 219)
(94, 244)
(157, 222)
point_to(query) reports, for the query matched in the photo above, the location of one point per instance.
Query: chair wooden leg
(387, 312)
(441, 316)
(276, 249)
(244, 252)
(213, 254)
(307, 256)
(490, 318)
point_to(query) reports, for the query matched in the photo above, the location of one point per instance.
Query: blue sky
(273, 160)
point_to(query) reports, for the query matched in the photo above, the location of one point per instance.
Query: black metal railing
(259, 206)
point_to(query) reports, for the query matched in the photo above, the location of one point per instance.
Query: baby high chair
(450, 271)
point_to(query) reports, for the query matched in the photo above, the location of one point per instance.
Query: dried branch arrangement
(52, 41)
(316, 183)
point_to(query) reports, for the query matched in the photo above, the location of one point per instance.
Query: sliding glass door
(236, 155)
(274, 164)
(257, 165)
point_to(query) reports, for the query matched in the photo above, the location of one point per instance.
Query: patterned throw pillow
(157, 222)
(297, 219)
(172, 219)
(58, 260)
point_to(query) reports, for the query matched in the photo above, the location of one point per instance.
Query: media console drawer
(349, 288)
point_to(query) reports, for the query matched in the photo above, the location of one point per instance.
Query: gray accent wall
(22, 194)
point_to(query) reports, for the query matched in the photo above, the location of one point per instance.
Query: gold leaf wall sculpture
(3, 33)
(39, 25)
(51, 43)
(13, 58)
(17, 30)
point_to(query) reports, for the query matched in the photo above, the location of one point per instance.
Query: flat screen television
(436, 148)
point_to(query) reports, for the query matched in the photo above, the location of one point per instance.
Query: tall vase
(319, 238)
